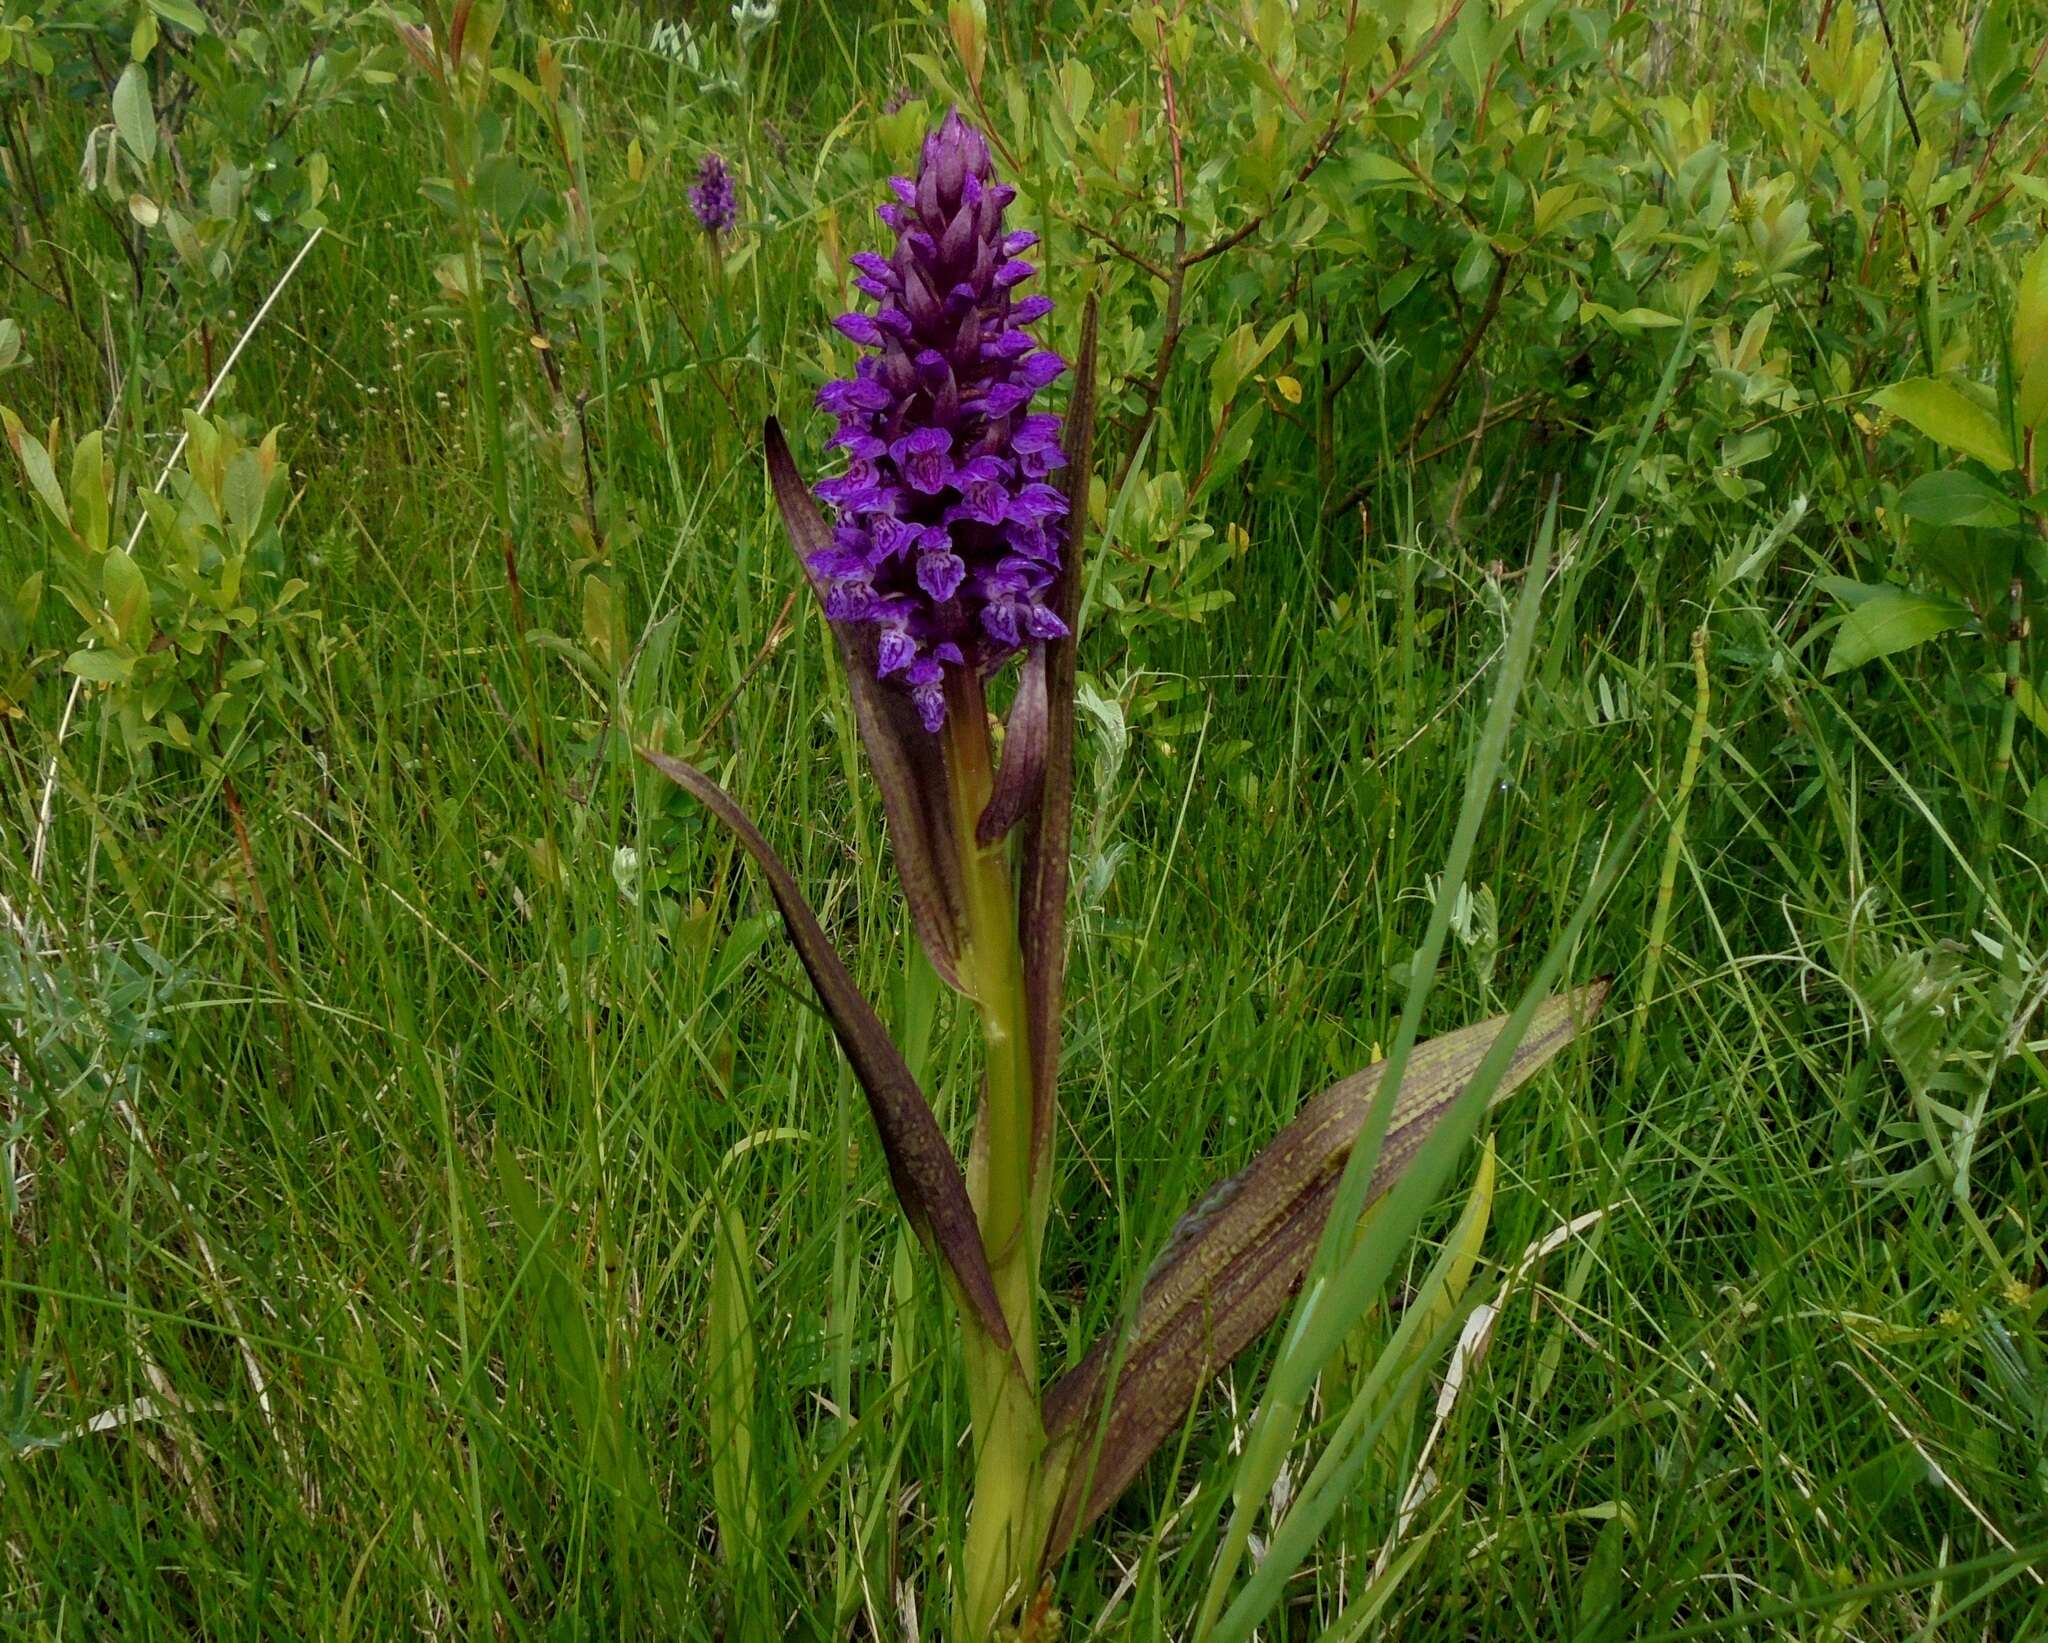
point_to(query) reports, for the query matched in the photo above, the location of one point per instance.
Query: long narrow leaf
(908, 767)
(732, 1350)
(1234, 1259)
(1341, 1282)
(1364, 1272)
(1048, 831)
(926, 1175)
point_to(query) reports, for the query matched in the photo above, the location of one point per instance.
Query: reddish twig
(1136, 259)
(1884, 19)
(1487, 314)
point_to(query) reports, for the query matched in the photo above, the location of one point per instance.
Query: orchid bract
(955, 550)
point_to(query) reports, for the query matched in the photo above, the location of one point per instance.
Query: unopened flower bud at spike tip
(949, 540)
(713, 199)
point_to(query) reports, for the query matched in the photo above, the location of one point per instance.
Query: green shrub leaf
(1949, 417)
(1888, 621)
(1954, 497)
(134, 118)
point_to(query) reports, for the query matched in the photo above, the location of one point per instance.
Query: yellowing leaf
(2030, 315)
(127, 596)
(968, 22)
(1290, 389)
(35, 462)
(89, 492)
(603, 623)
(1948, 416)
(2033, 395)
(134, 118)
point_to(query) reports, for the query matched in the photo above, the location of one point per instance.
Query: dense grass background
(360, 1288)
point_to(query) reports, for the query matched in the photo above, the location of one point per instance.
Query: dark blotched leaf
(908, 766)
(926, 1175)
(1022, 777)
(1234, 1259)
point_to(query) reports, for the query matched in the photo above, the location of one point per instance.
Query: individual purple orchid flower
(949, 539)
(713, 200)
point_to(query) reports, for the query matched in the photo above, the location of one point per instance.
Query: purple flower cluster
(713, 198)
(949, 537)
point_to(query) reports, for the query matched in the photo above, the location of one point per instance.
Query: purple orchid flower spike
(714, 201)
(950, 552)
(949, 539)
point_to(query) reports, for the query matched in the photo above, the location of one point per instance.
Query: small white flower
(752, 17)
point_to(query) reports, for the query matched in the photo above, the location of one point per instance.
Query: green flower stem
(1006, 1523)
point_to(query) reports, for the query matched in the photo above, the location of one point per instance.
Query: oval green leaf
(1949, 417)
(1889, 621)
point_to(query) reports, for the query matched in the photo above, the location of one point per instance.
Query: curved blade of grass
(1235, 1258)
(729, 1404)
(1338, 1288)
(1048, 830)
(922, 1166)
(909, 768)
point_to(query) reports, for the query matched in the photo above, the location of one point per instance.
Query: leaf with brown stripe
(1233, 1261)
(926, 1175)
(1048, 830)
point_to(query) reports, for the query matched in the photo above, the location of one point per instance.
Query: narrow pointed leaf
(1022, 777)
(1233, 1261)
(927, 1177)
(733, 1350)
(1048, 831)
(908, 766)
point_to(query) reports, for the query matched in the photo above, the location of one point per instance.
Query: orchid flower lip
(949, 539)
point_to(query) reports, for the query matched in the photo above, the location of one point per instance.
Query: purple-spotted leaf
(927, 1177)
(1022, 777)
(1048, 830)
(1235, 1258)
(906, 759)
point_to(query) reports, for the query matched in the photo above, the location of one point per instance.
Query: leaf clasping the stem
(1233, 1260)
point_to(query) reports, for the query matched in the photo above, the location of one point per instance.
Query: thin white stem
(39, 849)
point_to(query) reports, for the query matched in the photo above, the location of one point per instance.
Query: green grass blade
(1368, 1268)
(729, 1402)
